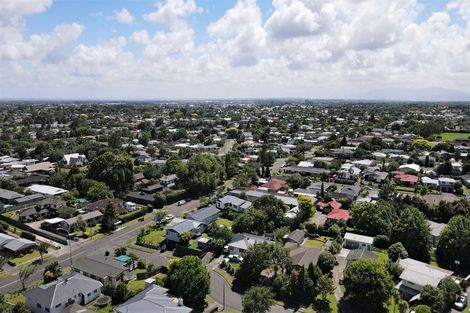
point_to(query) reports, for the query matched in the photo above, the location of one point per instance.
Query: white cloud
(171, 13)
(315, 48)
(123, 16)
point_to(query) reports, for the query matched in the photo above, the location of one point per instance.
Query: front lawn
(381, 255)
(27, 257)
(405, 188)
(317, 242)
(224, 221)
(106, 309)
(155, 237)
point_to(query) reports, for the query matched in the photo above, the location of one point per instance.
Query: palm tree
(42, 248)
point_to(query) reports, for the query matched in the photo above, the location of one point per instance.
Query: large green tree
(116, 170)
(204, 172)
(368, 284)
(257, 300)
(189, 278)
(454, 243)
(373, 218)
(412, 230)
(274, 209)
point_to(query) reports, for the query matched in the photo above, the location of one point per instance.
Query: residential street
(107, 243)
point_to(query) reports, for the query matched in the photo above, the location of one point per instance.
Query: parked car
(461, 303)
(225, 249)
(163, 248)
(181, 202)
(235, 258)
(169, 217)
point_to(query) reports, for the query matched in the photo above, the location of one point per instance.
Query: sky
(200, 49)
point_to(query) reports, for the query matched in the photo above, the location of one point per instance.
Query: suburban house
(415, 275)
(169, 180)
(303, 256)
(42, 167)
(296, 237)
(242, 241)
(350, 192)
(71, 288)
(275, 185)
(102, 267)
(14, 245)
(205, 215)
(446, 184)
(153, 299)
(233, 203)
(74, 159)
(140, 197)
(89, 218)
(328, 206)
(174, 230)
(436, 229)
(405, 179)
(430, 183)
(355, 241)
(46, 190)
(8, 196)
(339, 214)
(409, 168)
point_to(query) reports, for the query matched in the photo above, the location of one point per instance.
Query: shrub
(382, 242)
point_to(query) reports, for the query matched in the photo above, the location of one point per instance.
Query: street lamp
(69, 241)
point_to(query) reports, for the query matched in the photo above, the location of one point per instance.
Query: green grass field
(404, 188)
(27, 257)
(316, 243)
(224, 221)
(155, 237)
(453, 136)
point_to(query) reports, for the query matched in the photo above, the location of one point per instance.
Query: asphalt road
(109, 243)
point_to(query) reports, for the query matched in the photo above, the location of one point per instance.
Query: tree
(120, 251)
(20, 307)
(114, 140)
(314, 273)
(52, 272)
(185, 238)
(412, 230)
(274, 209)
(432, 297)
(25, 273)
(396, 251)
(189, 278)
(454, 243)
(373, 218)
(298, 181)
(368, 284)
(306, 208)
(109, 217)
(204, 172)
(257, 300)
(326, 262)
(221, 233)
(116, 170)
(421, 308)
(80, 224)
(120, 294)
(325, 286)
(42, 249)
(252, 221)
(449, 290)
(232, 159)
(99, 191)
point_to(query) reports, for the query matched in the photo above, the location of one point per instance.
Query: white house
(242, 241)
(169, 180)
(409, 168)
(446, 184)
(415, 275)
(233, 203)
(174, 231)
(430, 183)
(355, 241)
(69, 289)
(74, 159)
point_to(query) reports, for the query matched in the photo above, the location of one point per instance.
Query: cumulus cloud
(315, 48)
(123, 16)
(171, 13)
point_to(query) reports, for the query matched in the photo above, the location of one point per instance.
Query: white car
(235, 258)
(461, 303)
(169, 217)
(181, 202)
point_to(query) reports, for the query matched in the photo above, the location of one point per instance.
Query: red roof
(407, 178)
(334, 205)
(275, 184)
(339, 214)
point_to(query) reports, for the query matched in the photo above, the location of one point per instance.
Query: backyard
(453, 136)
(317, 242)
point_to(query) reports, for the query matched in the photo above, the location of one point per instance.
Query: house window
(96, 290)
(89, 294)
(47, 310)
(58, 305)
(39, 306)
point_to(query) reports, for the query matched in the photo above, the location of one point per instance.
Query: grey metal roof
(202, 214)
(9, 195)
(66, 288)
(184, 226)
(421, 274)
(19, 244)
(100, 266)
(153, 299)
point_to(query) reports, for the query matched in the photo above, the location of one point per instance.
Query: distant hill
(409, 94)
